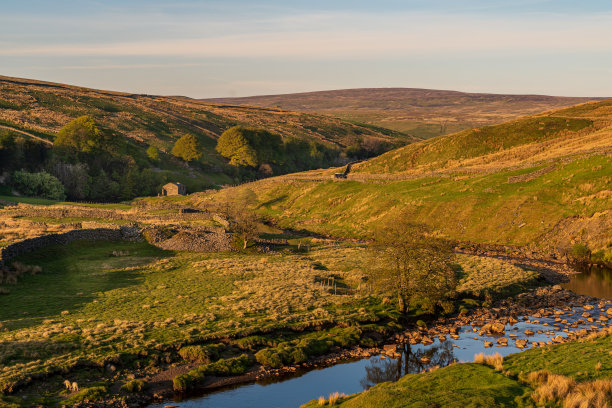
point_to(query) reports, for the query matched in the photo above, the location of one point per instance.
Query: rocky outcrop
(189, 239)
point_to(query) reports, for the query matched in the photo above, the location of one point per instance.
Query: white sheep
(71, 386)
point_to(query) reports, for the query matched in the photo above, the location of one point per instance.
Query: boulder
(529, 332)
(520, 343)
(493, 328)
(502, 341)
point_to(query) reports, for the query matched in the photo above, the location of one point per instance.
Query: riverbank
(542, 304)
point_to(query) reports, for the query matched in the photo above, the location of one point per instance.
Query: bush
(134, 386)
(40, 184)
(91, 394)
(269, 357)
(580, 252)
(201, 354)
(224, 367)
(228, 367)
(153, 153)
(183, 382)
(251, 343)
(316, 347)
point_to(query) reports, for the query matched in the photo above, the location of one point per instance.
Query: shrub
(153, 153)
(270, 358)
(347, 337)
(253, 342)
(183, 382)
(580, 252)
(91, 394)
(227, 367)
(315, 347)
(40, 184)
(201, 354)
(134, 386)
(496, 360)
(223, 367)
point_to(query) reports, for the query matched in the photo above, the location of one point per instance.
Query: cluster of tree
(84, 163)
(412, 264)
(257, 151)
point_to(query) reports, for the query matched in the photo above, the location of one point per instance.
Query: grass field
(94, 301)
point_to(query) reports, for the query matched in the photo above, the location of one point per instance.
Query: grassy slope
(422, 112)
(463, 385)
(543, 179)
(459, 385)
(42, 108)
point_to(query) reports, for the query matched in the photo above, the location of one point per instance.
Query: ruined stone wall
(28, 245)
(99, 213)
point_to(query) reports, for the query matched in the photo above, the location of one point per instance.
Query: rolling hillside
(422, 112)
(543, 180)
(42, 108)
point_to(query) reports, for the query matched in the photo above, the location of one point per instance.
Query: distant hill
(421, 112)
(40, 109)
(543, 181)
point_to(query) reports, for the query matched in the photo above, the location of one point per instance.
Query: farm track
(40, 139)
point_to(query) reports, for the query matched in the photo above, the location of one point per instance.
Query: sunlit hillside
(542, 180)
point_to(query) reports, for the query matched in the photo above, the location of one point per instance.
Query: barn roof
(173, 183)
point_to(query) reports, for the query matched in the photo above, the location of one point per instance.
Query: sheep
(71, 386)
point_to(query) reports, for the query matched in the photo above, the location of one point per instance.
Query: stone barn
(173, 189)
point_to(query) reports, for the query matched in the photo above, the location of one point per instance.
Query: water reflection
(592, 281)
(411, 361)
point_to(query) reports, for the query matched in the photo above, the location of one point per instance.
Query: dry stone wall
(28, 245)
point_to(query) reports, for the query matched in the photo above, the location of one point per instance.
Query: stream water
(357, 376)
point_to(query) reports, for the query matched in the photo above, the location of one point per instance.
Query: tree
(250, 147)
(411, 263)
(74, 177)
(81, 134)
(153, 153)
(243, 221)
(187, 148)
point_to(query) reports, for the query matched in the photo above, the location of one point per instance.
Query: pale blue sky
(219, 48)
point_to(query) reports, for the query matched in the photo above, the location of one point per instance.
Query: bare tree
(243, 221)
(408, 261)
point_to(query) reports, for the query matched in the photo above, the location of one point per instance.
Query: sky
(220, 48)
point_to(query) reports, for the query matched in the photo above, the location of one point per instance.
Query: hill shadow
(73, 276)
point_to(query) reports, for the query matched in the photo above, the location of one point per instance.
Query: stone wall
(135, 215)
(28, 245)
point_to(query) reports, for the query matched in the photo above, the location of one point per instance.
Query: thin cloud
(355, 36)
